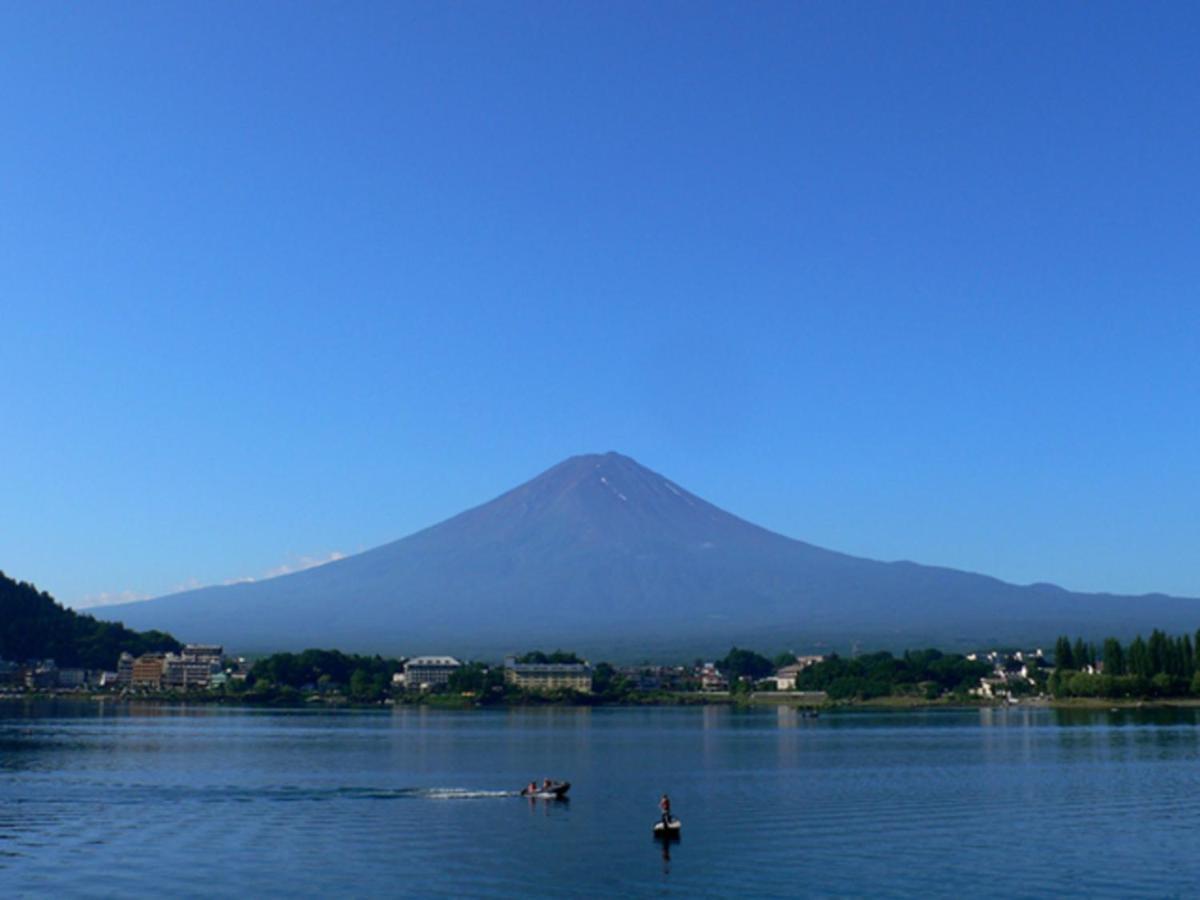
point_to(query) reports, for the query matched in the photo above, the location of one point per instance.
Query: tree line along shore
(35, 629)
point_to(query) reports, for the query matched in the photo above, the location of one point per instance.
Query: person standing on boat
(664, 806)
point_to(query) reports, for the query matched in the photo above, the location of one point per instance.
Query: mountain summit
(602, 554)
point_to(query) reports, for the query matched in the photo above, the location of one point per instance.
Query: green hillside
(34, 626)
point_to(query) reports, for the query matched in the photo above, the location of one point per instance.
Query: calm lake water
(103, 800)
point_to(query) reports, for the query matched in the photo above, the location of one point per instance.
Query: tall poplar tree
(1114, 657)
(1063, 658)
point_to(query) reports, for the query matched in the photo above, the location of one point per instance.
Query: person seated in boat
(664, 806)
(532, 789)
(547, 785)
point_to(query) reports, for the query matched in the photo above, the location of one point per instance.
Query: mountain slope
(34, 626)
(601, 554)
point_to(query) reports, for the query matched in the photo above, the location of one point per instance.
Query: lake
(108, 799)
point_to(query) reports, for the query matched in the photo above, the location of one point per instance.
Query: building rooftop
(432, 661)
(546, 667)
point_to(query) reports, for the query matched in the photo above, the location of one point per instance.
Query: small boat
(556, 791)
(667, 829)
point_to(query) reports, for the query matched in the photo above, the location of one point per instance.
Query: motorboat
(556, 791)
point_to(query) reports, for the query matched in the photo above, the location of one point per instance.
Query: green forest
(363, 677)
(928, 673)
(34, 626)
(1161, 666)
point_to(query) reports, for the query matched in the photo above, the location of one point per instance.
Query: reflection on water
(421, 802)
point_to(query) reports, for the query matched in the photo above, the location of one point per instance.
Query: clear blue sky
(909, 280)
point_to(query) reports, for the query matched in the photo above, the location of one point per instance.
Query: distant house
(421, 673)
(993, 688)
(711, 679)
(785, 677)
(548, 676)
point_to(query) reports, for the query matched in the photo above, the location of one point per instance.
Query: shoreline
(753, 701)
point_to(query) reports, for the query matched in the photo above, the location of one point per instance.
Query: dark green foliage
(608, 684)
(783, 659)
(363, 677)
(603, 677)
(1158, 650)
(34, 626)
(1083, 654)
(745, 663)
(475, 678)
(1162, 666)
(1139, 658)
(921, 672)
(1063, 657)
(1114, 657)
(558, 656)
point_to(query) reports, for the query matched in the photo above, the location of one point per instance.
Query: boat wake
(434, 793)
(288, 793)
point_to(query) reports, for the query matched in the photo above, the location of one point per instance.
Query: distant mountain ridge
(602, 554)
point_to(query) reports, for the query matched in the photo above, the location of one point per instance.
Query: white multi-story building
(424, 672)
(184, 671)
(208, 652)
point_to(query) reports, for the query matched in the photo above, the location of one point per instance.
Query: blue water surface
(101, 800)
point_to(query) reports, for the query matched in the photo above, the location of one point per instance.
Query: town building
(548, 676)
(656, 678)
(422, 673)
(711, 679)
(71, 679)
(993, 687)
(41, 676)
(194, 667)
(125, 669)
(785, 677)
(181, 672)
(147, 671)
(203, 652)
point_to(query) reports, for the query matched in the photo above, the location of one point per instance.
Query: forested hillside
(34, 626)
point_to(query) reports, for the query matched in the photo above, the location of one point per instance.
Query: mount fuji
(602, 555)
